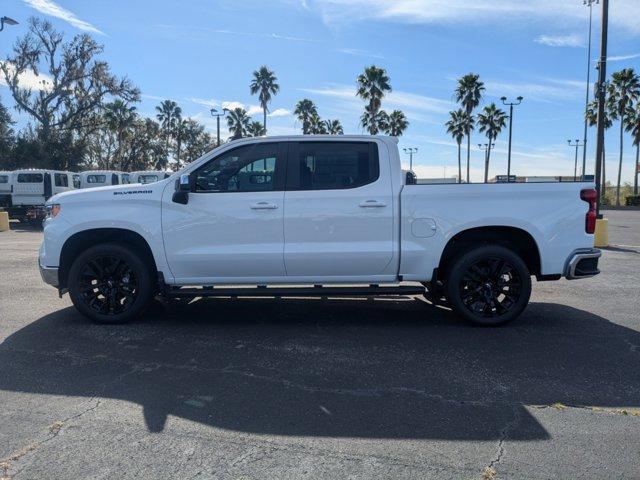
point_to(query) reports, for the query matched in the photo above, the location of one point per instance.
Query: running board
(316, 291)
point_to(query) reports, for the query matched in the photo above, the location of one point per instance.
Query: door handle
(372, 204)
(263, 206)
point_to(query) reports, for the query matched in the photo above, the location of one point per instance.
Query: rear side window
(147, 178)
(125, 178)
(4, 178)
(30, 178)
(96, 178)
(332, 165)
(61, 179)
(76, 181)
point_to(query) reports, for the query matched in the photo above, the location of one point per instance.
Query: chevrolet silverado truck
(315, 216)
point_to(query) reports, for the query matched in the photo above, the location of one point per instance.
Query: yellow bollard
(602, 232)
(4, 221)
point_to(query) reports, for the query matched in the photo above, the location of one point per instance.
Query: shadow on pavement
(340, 368)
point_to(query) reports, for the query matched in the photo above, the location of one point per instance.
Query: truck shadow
(399, 369)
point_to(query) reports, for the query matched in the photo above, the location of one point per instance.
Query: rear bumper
(49, 275)
(583, 264)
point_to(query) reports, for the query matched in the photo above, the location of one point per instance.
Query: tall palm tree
(168, 114)
(458, 127)
(491, 122)
(592, 119)
(633, 127)
(333, 127)
(305, 109)
(119, 117)
(265, 84)
(397, 123)
(317, 125)
(238, 122)
(624, 90)
(373, 84)
(374, 123)
(469, 94)
(180, 132)
(255, 129)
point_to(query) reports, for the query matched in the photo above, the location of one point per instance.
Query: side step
(315, 291)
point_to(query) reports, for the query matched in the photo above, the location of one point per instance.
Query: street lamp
(510, 105)
(8, 21)
(486, 147)
(410, 151)
(590, 4)
(575, 165)
(601, 95)
(215, 113)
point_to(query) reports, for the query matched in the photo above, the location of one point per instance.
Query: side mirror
(183, 187)
(411, 178)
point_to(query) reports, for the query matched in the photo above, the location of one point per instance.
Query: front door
(231, 229)
(338, 221)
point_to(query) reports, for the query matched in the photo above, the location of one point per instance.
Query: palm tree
(397, 123)
(317, 125)
(633, 127)
(180, 133)
(624, 90)
(305, 109)
(374, 123)
(592, 119)
(265, 84)
(491, 121)
(469, 94)
(458, 127)
(255, 129)
(168, 114)
(119, 117)
(373, 83)
(333, 127)
(238, 122)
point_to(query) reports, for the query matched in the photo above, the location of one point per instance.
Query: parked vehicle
(5, 189)
(321, 213)
(102, 178)
(31, 188)
(148, 176)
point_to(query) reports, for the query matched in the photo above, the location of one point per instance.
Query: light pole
(215, 113)
(575, 164)
(511, 105)
(410, 151)
(590, 4)
(8, 21)
(486, 147)
(601, 95)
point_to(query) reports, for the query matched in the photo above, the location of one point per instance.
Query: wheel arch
(84, 239)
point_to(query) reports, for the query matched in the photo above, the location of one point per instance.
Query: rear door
(338, 221)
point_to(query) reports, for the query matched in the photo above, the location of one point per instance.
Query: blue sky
(202, 53)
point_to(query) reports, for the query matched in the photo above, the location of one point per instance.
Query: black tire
(110, 283)
(488, 285)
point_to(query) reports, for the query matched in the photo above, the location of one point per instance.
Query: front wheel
(489, 285)
(109, 283)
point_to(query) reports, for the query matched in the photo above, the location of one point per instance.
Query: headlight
(53, 210)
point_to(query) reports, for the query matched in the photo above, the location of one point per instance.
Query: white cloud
(280, 112)
(360, 53)
(548, 90)
(29, 79)
(573, 40)
(49, 7)
(618, 58)
(623, 13)
(209, 103)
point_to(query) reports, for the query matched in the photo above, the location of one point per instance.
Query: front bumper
(583, 264)
(49, 274)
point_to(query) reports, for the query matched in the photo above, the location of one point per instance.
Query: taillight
(590, 195)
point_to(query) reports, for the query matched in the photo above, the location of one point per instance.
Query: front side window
(251, 168)
(76, 181)
(333, 165)
(147, 179)
(61, 179)
(125, 179)
(96, 178)
(30, 178)
(4, 178)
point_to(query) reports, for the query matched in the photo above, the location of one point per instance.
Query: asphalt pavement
(322, 388)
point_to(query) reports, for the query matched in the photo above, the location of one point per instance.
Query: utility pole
(588, 3)
(511, 105)
(410, 151)
(601, 93)
(575, 164)
(215, 113)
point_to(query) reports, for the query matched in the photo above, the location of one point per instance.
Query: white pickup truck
(315, 216)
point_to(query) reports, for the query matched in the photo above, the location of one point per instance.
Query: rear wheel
(109, 283)
(489, 285)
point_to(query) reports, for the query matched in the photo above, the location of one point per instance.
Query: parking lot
(322, 388)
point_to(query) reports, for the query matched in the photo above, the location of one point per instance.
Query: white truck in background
(315, 216)
(31, 188)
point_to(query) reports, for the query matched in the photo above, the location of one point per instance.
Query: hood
(110, 192)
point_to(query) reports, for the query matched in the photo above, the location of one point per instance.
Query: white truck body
(381, 231)
(102, 178)
(33, 187)
(5, 188)
(148, 176)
